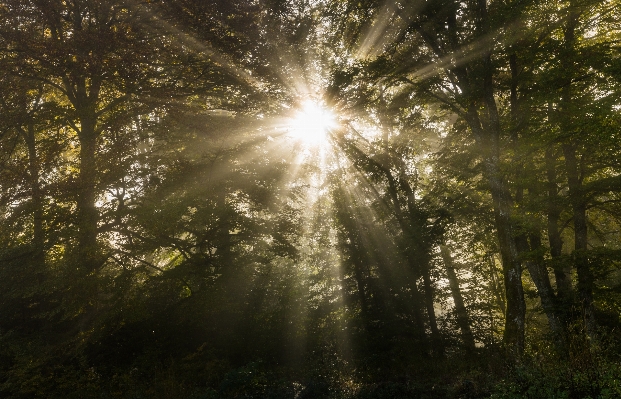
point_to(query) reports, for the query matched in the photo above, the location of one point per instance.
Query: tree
(462, 56)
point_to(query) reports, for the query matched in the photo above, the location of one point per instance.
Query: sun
(312, 123)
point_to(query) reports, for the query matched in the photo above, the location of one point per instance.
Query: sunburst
(312, 123)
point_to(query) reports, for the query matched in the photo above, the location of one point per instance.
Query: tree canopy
(310, 199)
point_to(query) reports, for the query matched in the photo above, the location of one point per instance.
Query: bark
(502, 203)
(38, 237)
(487, 137)
(540, 276)
(436, 337)
(394, 202)
(463, 320)
(512, 271)
(580, 254)
(575, 176)
(423, 268)
(414, 257)
(82, 83)
(419, 320)
(533, 253)
(562, 271)
(87, 213)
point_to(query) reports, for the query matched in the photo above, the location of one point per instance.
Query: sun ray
(160, 25)
(388, 25)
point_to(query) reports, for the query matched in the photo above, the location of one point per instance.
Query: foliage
(164, 234)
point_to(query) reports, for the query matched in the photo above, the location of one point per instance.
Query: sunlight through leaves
(312, 123)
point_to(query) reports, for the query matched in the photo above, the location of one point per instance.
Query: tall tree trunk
(575, 176)
(419, 300)
(562, 271)
(539, 274)
(512, 268)
(463, 320)
(83, 93)
(487, 137)
(580, 254)
(529, 242)
(38, 236)
(89, 256)
(87, 214)
(535, 262)
(417, 313)
(421, 261)
(436, 336)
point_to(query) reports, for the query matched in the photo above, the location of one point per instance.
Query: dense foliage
(165, 233)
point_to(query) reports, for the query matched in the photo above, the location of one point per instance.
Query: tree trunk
(512, 268)
(423, 299)
(562, 271)
(539, 274)
(420, 261)
(575, 176)
(38, 236)
(87, 213)
(487, 137)
(512, 273)
(535, 262)
(436, 337)
(463, 320)
(580, 254)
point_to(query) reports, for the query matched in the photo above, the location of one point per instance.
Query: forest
(309, 199)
